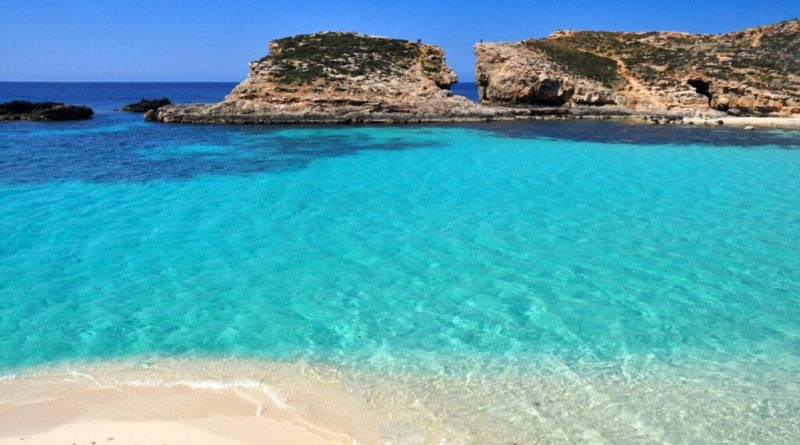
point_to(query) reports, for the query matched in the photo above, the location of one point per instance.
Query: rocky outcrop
(146, 105)
(522, 74)
(336, 77)
(43, 111)
(755, 71)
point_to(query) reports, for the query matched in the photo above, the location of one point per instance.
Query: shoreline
(783, 123)
(239, 402)
(173, 401)
(221, 114)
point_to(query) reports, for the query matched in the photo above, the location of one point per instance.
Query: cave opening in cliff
(549, 93)
(701, 87)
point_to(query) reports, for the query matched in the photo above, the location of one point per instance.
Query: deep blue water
(582, 248)
(104, 97)
(107, 96)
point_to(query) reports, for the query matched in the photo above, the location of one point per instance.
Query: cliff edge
(755, 71)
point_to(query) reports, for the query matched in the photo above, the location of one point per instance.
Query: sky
(203, 40)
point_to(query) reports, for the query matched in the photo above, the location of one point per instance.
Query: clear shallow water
(636, 277)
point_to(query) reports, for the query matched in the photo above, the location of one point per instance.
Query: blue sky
(202, 40)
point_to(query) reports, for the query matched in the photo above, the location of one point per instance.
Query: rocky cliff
(755, 71)
(334, 77)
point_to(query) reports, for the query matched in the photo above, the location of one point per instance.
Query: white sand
(211, 431)
(144, 416)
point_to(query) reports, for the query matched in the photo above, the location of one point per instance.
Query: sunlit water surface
(542, 282)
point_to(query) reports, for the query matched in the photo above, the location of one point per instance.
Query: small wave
(6, 377)
(215, 385)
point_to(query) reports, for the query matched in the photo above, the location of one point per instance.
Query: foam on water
(216, 385)
(545, 282)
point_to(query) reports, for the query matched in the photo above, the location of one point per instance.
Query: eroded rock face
(43, 111)
(333, 77)
(755, 71)
(521, 74)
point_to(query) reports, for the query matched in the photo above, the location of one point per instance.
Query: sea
(538, 282)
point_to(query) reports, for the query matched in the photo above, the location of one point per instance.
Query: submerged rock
(146, 105)
(43, 111)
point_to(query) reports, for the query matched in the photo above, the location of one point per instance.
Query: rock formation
(755, 71)
(43, 111)
(146, 105)
(337, 77)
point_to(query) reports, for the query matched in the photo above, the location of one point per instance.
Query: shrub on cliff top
(770, 56)
(306, 58)
(581, 63)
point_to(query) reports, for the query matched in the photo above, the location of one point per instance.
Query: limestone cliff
(334, 77)
(755, 71)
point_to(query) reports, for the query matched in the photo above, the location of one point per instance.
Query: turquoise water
(594, 248)
(467, 242)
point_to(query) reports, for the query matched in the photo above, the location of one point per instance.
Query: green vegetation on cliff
(306, 58)
(580, 62)
(766, 57)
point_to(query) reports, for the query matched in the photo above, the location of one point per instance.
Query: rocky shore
(247, 112)
(666, 77)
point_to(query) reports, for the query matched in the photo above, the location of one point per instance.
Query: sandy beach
(155, 416)
(204, 402)
(144, 416)
(177, 402)
(214, 430)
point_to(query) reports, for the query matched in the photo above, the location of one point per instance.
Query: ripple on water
(547, 403)
(456, 282)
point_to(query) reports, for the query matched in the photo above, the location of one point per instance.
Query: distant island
(342, 77)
